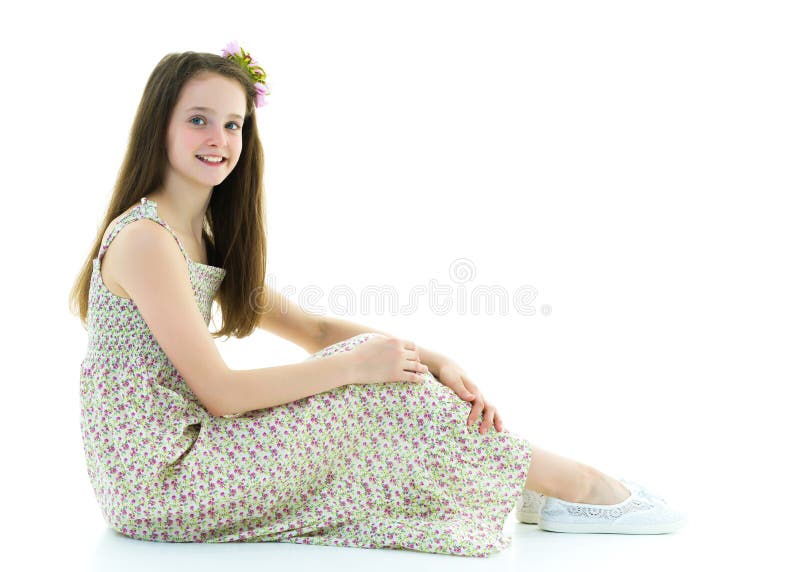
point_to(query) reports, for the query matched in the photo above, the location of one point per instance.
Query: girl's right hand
(383, 359)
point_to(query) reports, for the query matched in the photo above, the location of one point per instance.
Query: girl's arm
(151, 269)
(282, 317)
(311, 332)
(336, 330)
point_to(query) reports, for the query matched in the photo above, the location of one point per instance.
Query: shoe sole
(603, 528)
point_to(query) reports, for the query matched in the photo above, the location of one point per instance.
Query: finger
(411, 354)
(469, 393)
(412, 365)
(413, 377)
(488, 419)
(475, 412)
(498, 423)
(471, 387)
(409, 345)
(463, 393)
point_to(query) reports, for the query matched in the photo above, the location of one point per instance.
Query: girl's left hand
(451, 375)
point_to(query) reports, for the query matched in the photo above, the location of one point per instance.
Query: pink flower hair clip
(232, 51)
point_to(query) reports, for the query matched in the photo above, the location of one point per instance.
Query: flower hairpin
(232, 51)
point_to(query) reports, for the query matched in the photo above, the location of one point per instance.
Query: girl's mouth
(210, 163)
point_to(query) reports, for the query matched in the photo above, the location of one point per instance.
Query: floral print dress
(389, 465)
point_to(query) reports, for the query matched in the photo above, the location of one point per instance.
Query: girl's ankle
(604, 490)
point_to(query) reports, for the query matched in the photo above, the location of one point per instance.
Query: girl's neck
(184, 212)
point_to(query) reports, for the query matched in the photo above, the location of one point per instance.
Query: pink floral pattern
(389, 465)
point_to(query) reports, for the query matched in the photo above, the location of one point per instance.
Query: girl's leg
(563, 478)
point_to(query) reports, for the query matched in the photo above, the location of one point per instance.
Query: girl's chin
(209, 181)
(212, 172)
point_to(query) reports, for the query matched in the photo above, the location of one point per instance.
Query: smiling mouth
(212, 163)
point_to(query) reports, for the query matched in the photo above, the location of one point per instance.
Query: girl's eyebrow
(198, 108)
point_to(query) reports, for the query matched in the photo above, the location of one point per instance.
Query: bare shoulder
(141, 234)
(107, 270)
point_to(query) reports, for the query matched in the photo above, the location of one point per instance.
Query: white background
(634, 162)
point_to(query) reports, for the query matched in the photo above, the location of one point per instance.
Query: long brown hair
(234, 230)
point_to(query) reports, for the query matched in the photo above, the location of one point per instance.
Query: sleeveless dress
(390, 465)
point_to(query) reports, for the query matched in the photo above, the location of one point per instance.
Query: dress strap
(145, 209)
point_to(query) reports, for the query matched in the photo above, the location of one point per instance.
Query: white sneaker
(529, 503)
(643, 512)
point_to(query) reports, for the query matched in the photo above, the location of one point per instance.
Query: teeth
(211, 159)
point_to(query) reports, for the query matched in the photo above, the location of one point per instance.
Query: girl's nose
(216, 135)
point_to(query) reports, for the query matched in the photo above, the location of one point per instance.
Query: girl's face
(207, 121)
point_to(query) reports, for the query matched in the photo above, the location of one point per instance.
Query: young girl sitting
(372, 442)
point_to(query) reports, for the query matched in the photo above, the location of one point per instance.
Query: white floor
(703, 542)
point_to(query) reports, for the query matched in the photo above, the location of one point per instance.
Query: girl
(363, 444)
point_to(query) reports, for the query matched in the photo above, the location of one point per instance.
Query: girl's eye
(237, 127)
